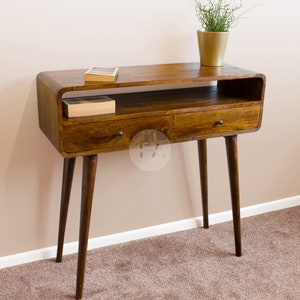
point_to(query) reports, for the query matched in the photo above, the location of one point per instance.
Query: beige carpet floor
(192, 264)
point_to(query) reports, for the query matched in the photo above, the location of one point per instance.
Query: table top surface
(62, 81)
(181, 113)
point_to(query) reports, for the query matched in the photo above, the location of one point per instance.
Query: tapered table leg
(232, 158)
(68, 172)
(88, 180)
(202, 153)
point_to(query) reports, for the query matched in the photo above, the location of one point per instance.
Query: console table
(170, 98)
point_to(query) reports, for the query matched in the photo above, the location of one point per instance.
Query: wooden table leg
(88, 180)
(68, 172)
(232, 158)
(202, 153)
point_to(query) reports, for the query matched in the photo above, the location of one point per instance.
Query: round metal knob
(220, 123)
(120, 133)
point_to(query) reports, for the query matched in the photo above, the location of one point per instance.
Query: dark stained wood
(171, 98)
(250, 88)
(133, 76)
(198, 125)
(68, 172)
(88, 180)
(202, 153)
(172, 102)
(232, 157)
(86, 137)
(49, 112)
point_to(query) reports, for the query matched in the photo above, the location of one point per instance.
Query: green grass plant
(218, 15)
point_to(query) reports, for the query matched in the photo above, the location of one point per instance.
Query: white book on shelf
(88, 106)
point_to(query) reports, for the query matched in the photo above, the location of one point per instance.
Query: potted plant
(216, 18)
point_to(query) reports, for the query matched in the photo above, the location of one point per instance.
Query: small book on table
(100, 74)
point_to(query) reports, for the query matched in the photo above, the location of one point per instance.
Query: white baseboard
(69, 248)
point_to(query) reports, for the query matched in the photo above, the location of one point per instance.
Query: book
(88, 106)
(101, 74)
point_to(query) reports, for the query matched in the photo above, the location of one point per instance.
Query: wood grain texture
(68, 172)
(232, 106)
(232, 159)
(191, 112)
(62, 81)
(88, 181)
(202, 154)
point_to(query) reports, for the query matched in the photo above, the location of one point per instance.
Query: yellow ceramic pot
(212, 46)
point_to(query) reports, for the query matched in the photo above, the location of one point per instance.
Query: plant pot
(212, 46)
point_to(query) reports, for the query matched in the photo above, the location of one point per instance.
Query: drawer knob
(220, 123)
(120, 133)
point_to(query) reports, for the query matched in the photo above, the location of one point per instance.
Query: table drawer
(197, 125)
(110, 135)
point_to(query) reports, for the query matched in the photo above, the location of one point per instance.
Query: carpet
(192, 264)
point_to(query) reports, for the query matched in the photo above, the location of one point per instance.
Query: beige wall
(46, 35)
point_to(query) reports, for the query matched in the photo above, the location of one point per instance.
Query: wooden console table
(170, 98)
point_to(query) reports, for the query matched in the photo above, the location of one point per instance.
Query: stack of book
(88, 106)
